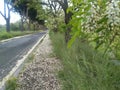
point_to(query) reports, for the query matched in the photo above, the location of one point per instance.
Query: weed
(30, 58)
(83, 67)
(11, 84)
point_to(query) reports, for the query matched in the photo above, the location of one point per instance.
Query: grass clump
(30, 58)
(7, 35)
(11, 84)
(83, 67)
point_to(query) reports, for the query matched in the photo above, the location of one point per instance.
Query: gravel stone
(41, 74)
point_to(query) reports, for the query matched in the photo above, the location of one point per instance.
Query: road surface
(13, 50)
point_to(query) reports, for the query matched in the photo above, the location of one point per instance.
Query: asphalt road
(13, 50)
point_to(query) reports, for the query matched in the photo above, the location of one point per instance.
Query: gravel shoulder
(41, 73)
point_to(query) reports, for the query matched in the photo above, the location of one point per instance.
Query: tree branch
(63, 4)
(2, 14)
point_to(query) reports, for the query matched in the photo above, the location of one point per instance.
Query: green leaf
(77, 33)
(98, 45)
(100, 29)
(104, 19)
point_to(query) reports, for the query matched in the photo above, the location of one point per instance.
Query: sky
(14, 16)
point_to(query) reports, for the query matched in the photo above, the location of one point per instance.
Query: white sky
(14, 16)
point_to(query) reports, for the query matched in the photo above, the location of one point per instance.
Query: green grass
(11, 84)
(83, 67)
(6, 35)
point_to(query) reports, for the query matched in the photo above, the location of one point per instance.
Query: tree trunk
(8, 24)
(68, 16)
(33, 26)
(22, 25)
(29, 25)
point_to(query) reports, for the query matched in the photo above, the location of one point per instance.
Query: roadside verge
(42, 72)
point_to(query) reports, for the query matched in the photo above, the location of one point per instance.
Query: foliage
(36, 11)
(2, 27)
(55, 15)
(55, 23)
(11, 84)
(31, 12)
(15, 26)
(83, 67)
(31, 9)
(97, 21)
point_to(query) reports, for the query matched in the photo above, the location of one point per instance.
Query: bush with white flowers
(98, 20)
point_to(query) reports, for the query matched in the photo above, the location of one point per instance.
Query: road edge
(15, 71)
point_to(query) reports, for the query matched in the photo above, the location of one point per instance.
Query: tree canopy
(31, 9)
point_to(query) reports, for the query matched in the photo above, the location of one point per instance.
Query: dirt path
(41, 73)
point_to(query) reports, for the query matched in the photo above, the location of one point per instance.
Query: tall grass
(83, 67)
